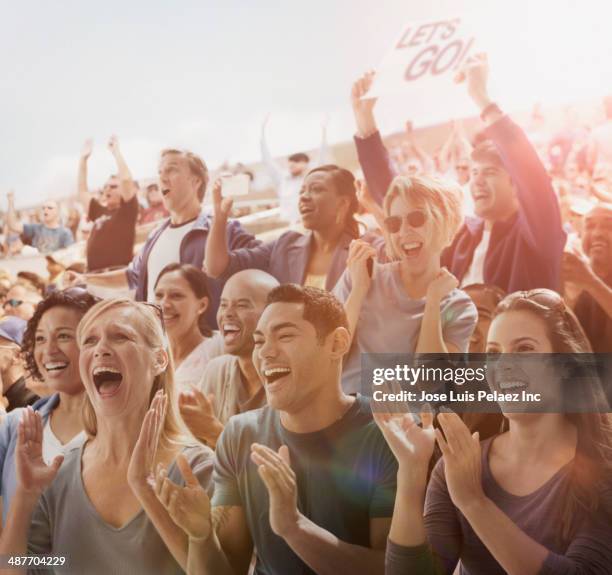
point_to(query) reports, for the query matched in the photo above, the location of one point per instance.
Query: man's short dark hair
(486, 152)
(299, 157)
(321, 308)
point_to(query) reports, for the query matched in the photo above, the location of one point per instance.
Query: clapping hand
(188, 506)
(275, 471)
(462, 460)
(141, 468)
(411, 443)
(197, 411)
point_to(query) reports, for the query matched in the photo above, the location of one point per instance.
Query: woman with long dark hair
(328, 204)
(535, 499)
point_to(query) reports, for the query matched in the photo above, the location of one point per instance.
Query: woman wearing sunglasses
(98, 508)
(328, 204)
(536, 499)
(52, 355)
(410, 304)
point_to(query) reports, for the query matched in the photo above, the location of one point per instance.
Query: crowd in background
(187, 397)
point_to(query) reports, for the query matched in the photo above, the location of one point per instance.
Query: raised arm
(374, 158)
(126, 183)
(324, 154)
(13, 222)
(445, 155)
(274, 171)
(82, 190)
(216, 258)
(533, 185)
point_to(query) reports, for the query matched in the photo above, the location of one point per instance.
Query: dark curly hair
(76, 298)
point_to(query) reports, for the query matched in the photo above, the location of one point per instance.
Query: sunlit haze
(203, 74)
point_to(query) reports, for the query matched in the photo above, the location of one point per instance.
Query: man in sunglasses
(21, 302)
(111, 240)
(516, 240)
(47, 236)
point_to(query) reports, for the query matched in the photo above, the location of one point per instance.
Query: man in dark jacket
(516, 241)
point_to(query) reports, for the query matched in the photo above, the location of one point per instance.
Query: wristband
(488, 109)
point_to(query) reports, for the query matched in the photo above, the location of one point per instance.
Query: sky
(203, 74)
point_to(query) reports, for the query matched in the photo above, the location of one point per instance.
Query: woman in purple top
(328, 203)
(533, 500)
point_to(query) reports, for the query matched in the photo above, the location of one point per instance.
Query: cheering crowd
(216, 423)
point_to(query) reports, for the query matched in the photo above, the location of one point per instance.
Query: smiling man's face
(290, 359)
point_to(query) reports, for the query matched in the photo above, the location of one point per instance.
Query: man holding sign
(516, 241)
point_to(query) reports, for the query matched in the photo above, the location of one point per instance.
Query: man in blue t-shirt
(308, 480)
(46, 237)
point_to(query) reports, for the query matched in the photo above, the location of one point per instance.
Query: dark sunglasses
(415, 219)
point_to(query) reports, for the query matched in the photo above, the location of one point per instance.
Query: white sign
(235, 185)
(425, 58)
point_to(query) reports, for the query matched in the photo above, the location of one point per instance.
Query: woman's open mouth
(107, 381)
(412, 249)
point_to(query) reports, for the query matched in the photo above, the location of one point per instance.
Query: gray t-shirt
(390, 321)
(46, 240)
(346, 475)
(65, 522)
